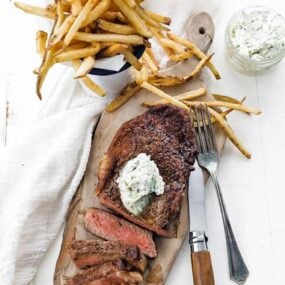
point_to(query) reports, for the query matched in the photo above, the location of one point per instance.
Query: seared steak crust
(114, 272)
(87, 253)
(165, 133)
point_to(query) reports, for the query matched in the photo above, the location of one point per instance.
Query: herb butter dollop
(138, 179)
(258, 33)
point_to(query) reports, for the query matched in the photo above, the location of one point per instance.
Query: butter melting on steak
(165, 133)
(87, 253)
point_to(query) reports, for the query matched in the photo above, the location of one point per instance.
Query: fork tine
(200, 136)
(196, 131)
(211, 131)
(193, 113)
(205, 129)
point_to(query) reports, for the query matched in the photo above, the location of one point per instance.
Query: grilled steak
(110, 227)
(87, 253)
(111, 273)
(119, 278)
(165, 133)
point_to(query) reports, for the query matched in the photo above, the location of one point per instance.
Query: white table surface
(253, 189)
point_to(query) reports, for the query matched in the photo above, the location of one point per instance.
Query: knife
(200, 256)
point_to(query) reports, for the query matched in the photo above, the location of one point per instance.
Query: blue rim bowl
(138, 52)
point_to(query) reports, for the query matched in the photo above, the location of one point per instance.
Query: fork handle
(202, 268)
(237, 267)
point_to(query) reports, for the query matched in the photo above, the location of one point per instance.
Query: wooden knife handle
(202, 268)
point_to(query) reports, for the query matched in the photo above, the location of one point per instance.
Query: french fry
(144, 74)
(181, 56)
(59, 13)
(224, 113)
(61, 31)
(184, 96)
(47, 62)
(172, 45)
(228, 99)
(75, 46)
(238, 107)
(41, 40)
(146, 17)
(228, 111)
(129, 57)
(158, 18)
(164, 96)
(42, 72)
(76, 7)
(69, 1)
(79, 20)
(34, 10)
(100, 9)
(127, 93)
(158, 37)
(190, 95)
(86, 65)
(196, 51)
(115, 28)
(113, 49)
(165, 80)
(162, 80)
(87, 81)
(104, 44)
(150, 53)
(141, 76)
(198, 67)
(77, 53)
(113, 16)
(127, 39)
(134, 18)
(131, 3)
(230, 133)
(149, 62)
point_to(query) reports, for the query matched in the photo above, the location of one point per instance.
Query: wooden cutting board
(200, 30)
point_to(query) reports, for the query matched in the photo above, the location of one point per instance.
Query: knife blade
(200, 256)
(196, 200)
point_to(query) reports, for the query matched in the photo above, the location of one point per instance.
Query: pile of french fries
(84, 30)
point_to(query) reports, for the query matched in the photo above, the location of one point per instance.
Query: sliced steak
(119, 278)
(112, 272)
(87, 253)
(110, 227)
(165, 133)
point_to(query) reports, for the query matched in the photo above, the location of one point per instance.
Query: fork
(208, 159)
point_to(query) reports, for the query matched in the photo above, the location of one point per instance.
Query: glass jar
(255, 39)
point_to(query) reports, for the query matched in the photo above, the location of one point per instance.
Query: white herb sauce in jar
(255, 39)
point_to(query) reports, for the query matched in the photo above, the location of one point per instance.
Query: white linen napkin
(40, 173)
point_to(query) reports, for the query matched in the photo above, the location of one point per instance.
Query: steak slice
(165, 133)
(112, 272)
(109, 227)
(119, 278)
(87, 253)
